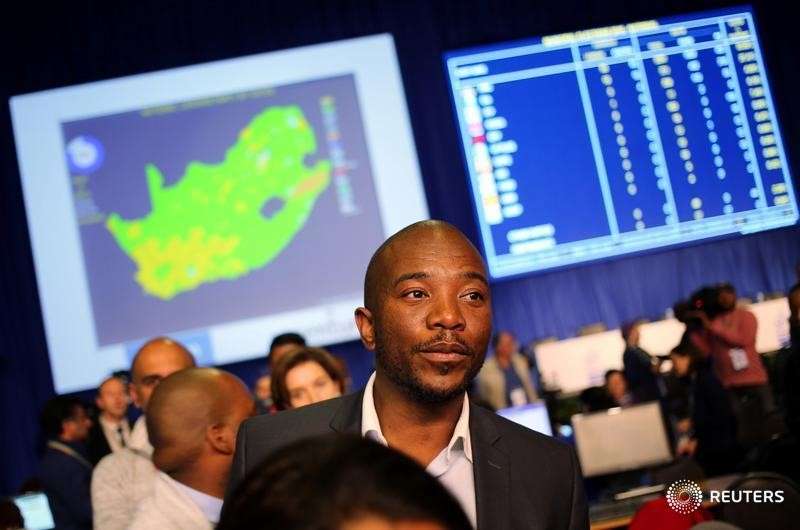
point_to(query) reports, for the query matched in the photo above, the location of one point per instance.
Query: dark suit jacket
(523, 479)
(97, 444)
(66, 481)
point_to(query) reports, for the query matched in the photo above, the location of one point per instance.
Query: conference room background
(80, 42)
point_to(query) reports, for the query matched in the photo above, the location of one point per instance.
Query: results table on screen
(598, 143)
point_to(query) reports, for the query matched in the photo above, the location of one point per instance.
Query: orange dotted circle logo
(684, 496)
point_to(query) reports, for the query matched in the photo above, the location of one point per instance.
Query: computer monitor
(533, 416)
(617, 140)
(35, 511)
(621, 439)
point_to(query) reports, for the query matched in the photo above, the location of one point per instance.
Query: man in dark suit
(110, 430)
(427, 317)
(65, 470)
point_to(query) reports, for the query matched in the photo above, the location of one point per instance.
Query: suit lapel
(491, 468)
(347, 417)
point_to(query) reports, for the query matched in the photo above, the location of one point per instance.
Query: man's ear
(222, 438)
(366, 327)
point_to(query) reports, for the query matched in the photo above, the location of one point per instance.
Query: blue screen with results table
(599, 143)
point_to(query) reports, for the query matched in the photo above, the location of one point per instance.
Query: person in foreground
(427, 317)
(192, 420)
(341, 482)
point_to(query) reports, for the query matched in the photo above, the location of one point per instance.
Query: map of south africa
(211, 224)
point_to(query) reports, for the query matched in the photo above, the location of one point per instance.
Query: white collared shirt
(112, 433)
(453, 466)
(139, 441)
(208, 504)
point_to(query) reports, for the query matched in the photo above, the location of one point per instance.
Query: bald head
(189, 411)
(399, 244)
(157, 359)
(160, 350)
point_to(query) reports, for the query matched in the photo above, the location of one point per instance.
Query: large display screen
(604, 142)
(220, 204)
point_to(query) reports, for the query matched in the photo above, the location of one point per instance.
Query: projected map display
(214, 204)
(178, 215)
(604, 142)
(209, 225)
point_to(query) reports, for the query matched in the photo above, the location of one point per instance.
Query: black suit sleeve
(579, 516)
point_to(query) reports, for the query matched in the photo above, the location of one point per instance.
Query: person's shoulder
(297, 422)
(120, 464)
(51, 461)
(145, 516)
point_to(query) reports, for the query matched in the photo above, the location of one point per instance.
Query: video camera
(705, 299)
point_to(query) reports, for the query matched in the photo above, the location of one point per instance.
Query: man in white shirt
(192, 421)
(122, 479)
(427, 317)
(111, 432)
(505, 379)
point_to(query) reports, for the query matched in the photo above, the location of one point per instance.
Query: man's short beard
(401, 374)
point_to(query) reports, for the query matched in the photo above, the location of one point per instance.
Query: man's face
(432, 318)
(263, 388)
(680, 364)
(112, 398)
(617, 387)
(76, 428)
(506, 345)
(158, 362)
(633, 336)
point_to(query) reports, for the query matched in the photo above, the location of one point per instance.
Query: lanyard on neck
(69, 451)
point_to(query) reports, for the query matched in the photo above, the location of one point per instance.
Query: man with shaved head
(122, 479)
(427, 316)
(192, 420)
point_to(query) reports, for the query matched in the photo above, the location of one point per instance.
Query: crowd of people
(717, 397)
(298, 451)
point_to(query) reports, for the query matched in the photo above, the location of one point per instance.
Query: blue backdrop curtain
(64, 43)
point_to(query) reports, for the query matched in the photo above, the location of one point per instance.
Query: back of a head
(183, 407)
(290, 338)
(328, 482)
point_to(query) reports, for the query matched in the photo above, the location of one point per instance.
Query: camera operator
(727, 334)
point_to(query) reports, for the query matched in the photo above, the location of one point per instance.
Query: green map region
(209, 226)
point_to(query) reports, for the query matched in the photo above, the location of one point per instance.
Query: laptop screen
(35, 511)
(533, 416)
